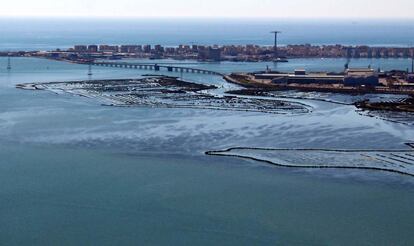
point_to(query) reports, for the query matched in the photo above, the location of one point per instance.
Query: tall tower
(275, 52)
(8, 63)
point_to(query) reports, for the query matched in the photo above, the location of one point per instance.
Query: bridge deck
(157, 67)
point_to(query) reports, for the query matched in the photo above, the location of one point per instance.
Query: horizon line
(210, 17)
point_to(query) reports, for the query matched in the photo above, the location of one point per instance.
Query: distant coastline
(215, 53)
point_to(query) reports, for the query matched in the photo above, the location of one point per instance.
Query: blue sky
(212, 8)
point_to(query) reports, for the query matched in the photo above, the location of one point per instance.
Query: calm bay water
(75, 172)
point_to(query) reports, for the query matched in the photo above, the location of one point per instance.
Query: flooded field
(343, 99)
(406, 118)
(337, 98)
(170, 92)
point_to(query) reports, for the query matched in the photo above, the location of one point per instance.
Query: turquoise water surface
(73, 172)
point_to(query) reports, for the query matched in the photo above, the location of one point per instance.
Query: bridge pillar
(170, 69)
(157, 68)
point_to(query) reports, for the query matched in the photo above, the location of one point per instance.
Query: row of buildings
(157, 51)
(338, 51)
(248, 52)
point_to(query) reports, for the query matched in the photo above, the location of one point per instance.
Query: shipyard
(350, 80)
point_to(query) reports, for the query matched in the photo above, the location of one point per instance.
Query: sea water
(45, 34)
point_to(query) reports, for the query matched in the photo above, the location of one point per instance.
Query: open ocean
(74, 172)
(38, 33)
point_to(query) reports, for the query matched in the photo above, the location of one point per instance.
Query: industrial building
(361, 76)
(410, 78)
(351, 77)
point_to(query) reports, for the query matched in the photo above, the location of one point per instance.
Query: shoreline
(256, 88)
(259, 86)
(392, 167)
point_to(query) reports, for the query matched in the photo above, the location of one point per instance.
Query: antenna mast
(275, 51)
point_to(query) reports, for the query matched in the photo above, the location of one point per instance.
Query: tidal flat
(172, 92)
(164, 91)
(398, 161)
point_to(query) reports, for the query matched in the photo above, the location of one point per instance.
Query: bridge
(156, 67)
